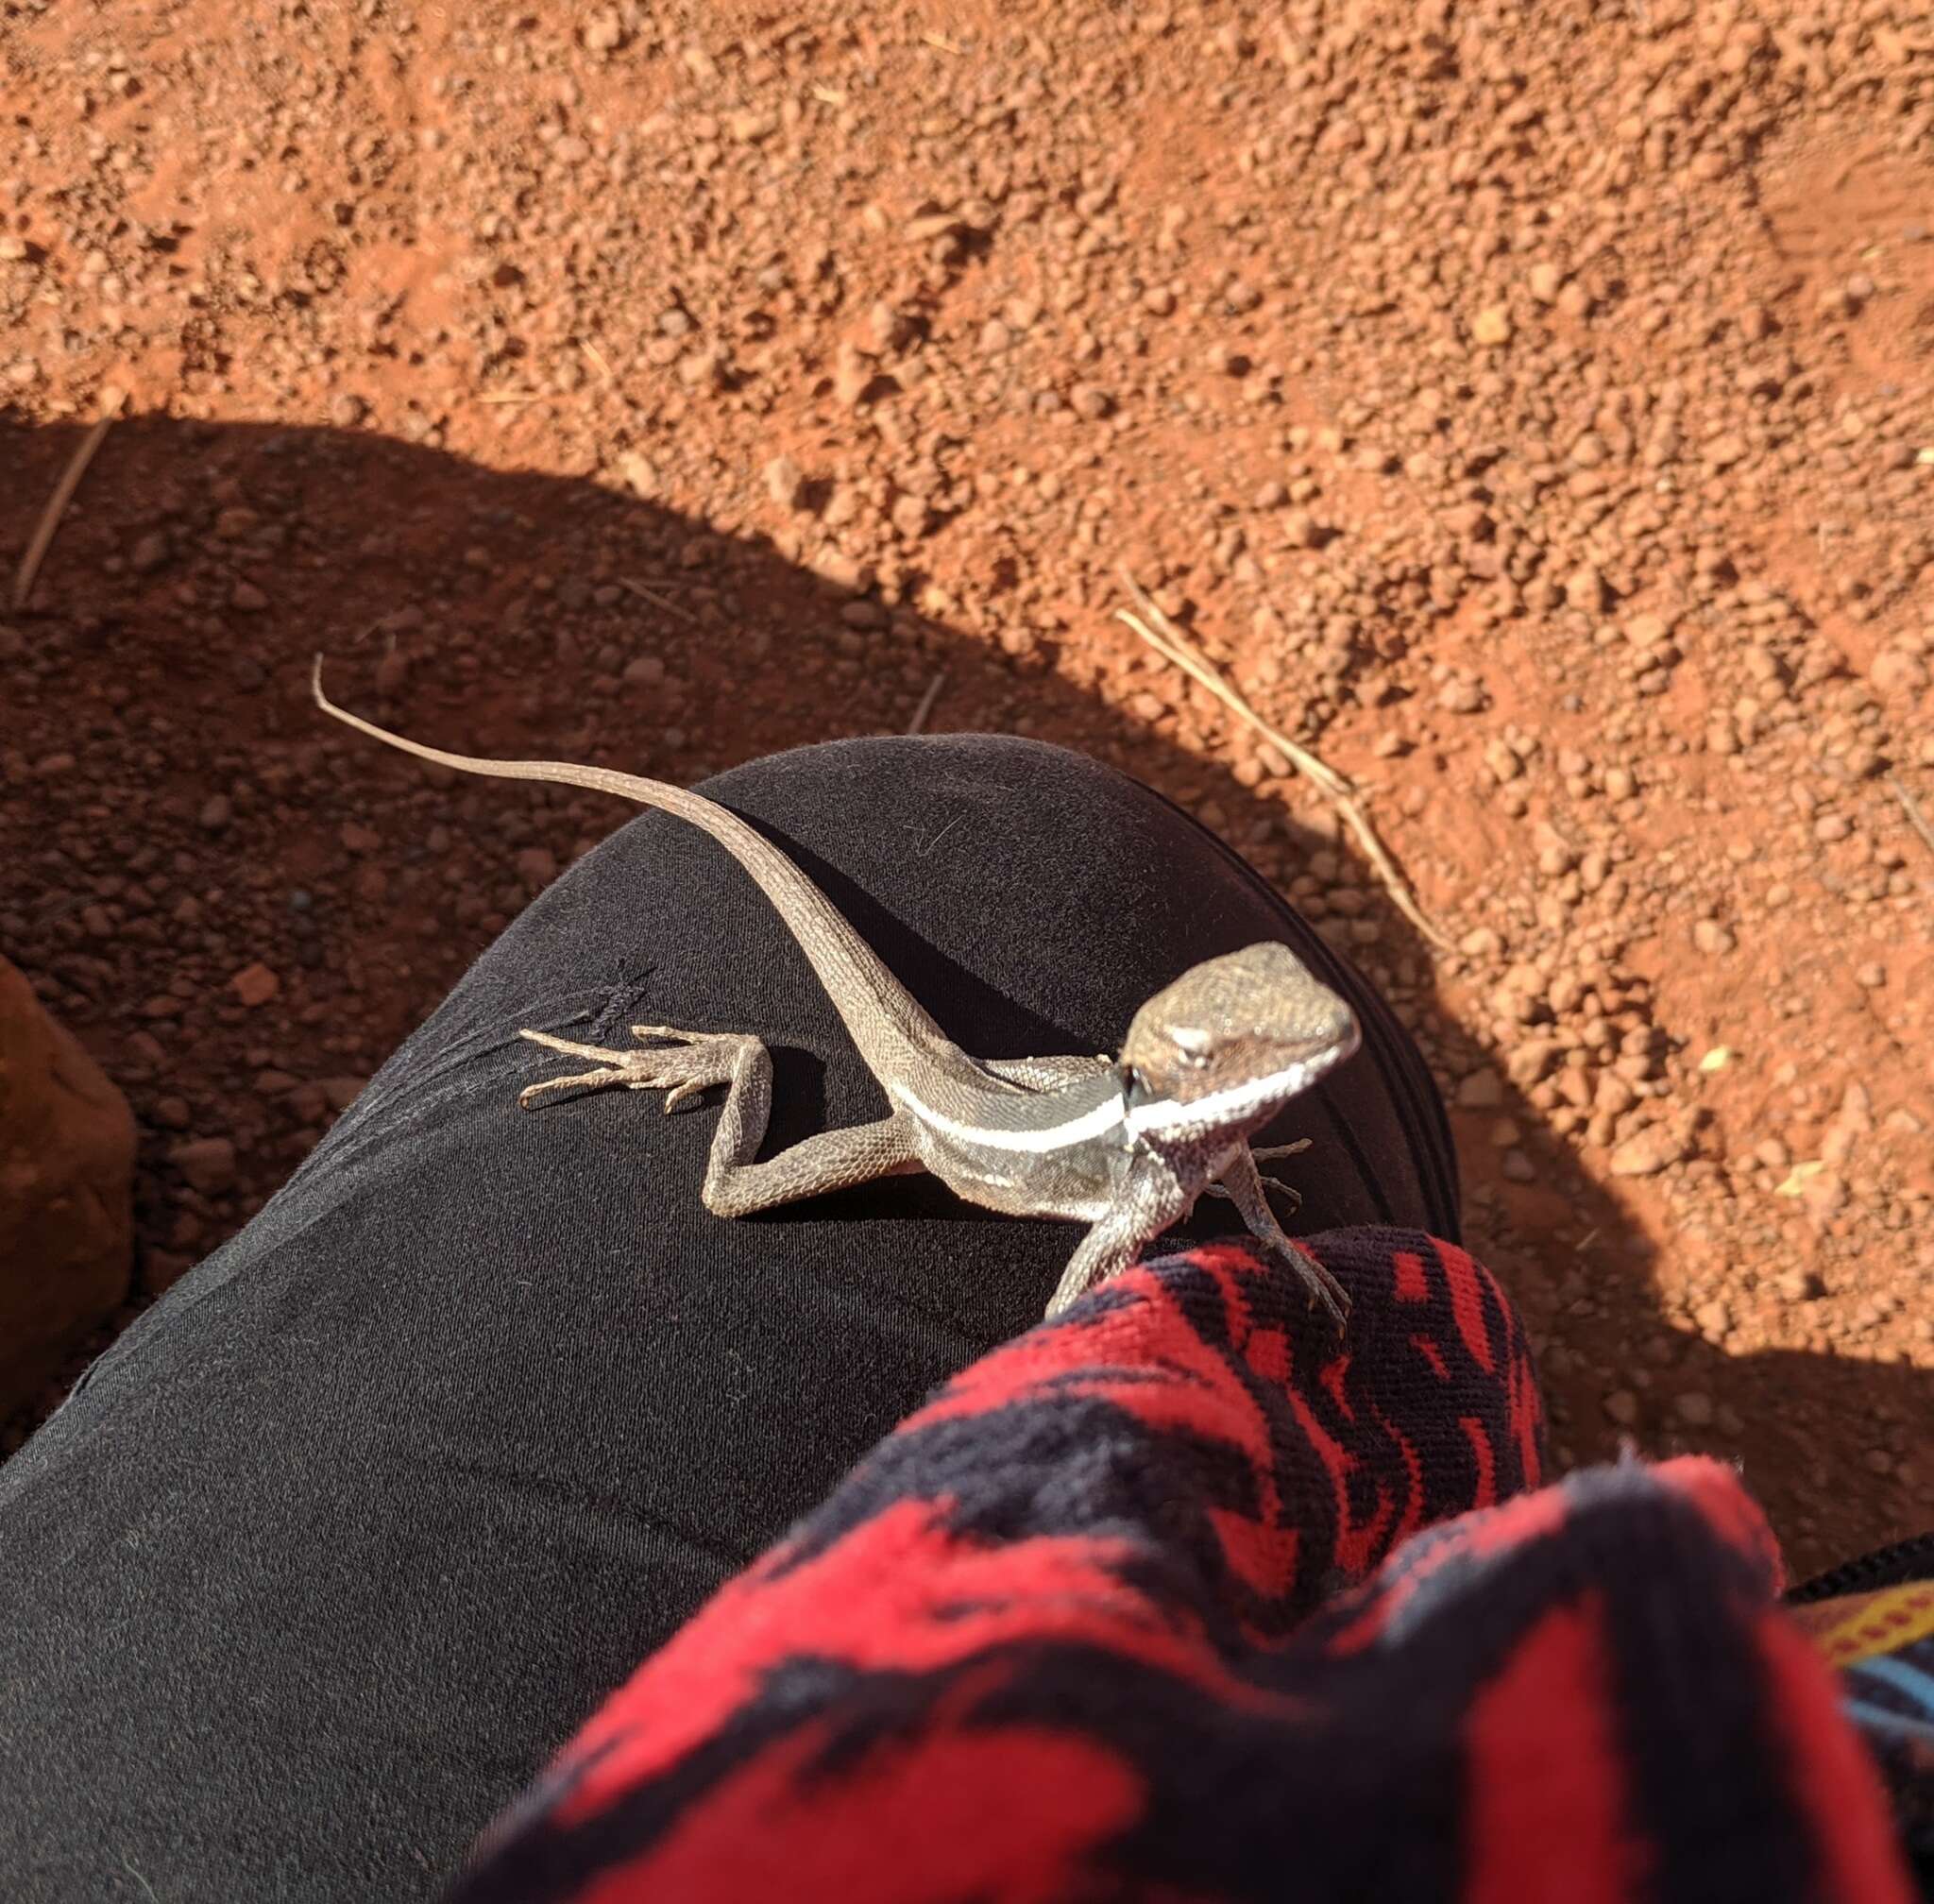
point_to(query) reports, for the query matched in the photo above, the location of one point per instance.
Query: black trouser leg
(353, 1528)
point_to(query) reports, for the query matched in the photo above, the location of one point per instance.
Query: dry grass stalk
(1161, 635)
(1911, 807)
(646, 591)
(927, 701)
(49, 524)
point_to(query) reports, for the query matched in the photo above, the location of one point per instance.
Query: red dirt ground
(1530, 408)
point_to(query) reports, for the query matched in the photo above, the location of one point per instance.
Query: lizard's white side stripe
(1161, 1114)
(1105, 1117)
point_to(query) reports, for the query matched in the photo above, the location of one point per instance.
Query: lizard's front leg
(1243, 1183)
(1149, 1202)
(1275, 1184)
(686, 1062)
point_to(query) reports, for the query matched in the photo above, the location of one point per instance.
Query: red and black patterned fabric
(1176, 1599)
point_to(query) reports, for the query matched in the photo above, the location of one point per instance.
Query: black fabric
(346, 1536)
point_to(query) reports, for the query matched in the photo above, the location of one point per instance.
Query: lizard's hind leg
(682, 1064)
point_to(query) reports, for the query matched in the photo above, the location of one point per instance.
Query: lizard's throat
(1236, 1107)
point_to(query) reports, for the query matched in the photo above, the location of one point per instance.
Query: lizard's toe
(552, 1041)
(1325, 1290)
(591, 1081)
(1271, 1151)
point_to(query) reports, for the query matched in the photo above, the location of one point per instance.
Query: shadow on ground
(174, 810)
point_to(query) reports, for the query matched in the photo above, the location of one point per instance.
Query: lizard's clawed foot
(1323, 1287)
(681, 1063)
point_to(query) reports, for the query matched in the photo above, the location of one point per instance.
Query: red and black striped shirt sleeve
(1177, 1597)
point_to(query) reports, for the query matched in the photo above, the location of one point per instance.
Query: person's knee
(1024, 789)
(926, 763)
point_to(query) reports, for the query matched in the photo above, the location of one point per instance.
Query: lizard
(1125, 1145)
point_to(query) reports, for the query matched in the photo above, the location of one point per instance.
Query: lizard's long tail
(881, 1015)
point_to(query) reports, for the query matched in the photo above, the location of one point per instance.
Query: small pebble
(1461, 695)
(1481, 1091)
(785, 481)
(1653, 1150)
(255, 984)
(1491, 326)
(207, 1162)
(1584, 590)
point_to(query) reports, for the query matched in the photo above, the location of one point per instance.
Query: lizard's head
(1235, 1038)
